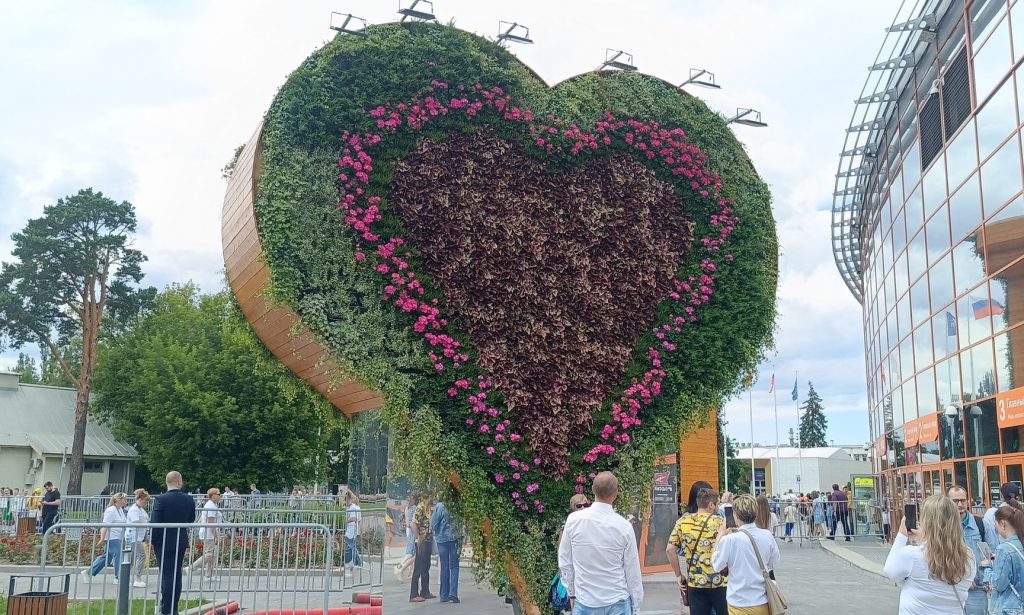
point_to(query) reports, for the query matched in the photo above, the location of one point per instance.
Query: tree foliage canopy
(75, 264)
(813, 424)
(196, 391)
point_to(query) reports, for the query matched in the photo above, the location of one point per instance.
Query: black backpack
(980, 522)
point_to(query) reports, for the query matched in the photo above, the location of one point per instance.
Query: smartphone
(730, 520)
(910, 515)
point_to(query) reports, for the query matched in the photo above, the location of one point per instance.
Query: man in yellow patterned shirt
(692, 541)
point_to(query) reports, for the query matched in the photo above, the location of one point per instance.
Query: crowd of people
(42, 504)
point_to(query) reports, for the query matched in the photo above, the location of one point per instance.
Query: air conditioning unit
(37, 463)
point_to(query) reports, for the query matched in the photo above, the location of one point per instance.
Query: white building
(806, 470)
(37, 429)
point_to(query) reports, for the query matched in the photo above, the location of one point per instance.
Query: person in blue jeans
(1008, 572)
(112, 536)
(448, 536)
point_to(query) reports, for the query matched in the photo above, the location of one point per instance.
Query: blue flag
(950, 325)
(795, 395)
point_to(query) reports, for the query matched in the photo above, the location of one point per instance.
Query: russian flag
(986, 307)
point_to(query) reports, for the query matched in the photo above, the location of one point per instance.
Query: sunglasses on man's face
(583, 505)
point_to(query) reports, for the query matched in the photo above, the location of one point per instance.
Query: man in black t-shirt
(51, 505)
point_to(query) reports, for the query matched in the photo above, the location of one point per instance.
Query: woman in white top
(137, 537)
(937, 572)
(210, 515)
(112, 548)
(734, 550)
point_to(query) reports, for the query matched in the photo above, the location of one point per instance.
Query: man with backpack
(974, 535)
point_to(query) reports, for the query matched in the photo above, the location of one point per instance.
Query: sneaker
(454, 599)
(113, 581)
(86, 576)
(140, 584)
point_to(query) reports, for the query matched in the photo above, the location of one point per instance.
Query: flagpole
(750, 399)
(778, 460)
(799, 438)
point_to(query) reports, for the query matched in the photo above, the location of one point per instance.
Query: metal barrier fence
(88, 507)
(827, 520)
(257, 566)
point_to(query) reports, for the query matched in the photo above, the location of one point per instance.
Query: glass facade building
(928, 233)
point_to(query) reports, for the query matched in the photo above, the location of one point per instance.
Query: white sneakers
(139, 583)
(86, 576)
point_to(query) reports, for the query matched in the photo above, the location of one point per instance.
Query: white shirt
(114, 514)
(921, 594)
(211, 514)
(746, 582)
(353, 517)
(992, 537)
(136, 514)
(598, 558)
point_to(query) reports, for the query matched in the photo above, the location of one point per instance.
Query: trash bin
(46, 594)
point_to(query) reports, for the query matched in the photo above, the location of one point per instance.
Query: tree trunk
(78, 444)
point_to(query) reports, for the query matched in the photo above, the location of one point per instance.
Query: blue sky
(146, 101)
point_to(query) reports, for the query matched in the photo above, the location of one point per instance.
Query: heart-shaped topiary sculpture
(542, 282)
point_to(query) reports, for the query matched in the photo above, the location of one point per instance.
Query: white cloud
(147, 101)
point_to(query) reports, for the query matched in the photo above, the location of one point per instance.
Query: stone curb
(854, 559)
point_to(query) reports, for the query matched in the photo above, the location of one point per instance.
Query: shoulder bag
(777, 603)
(684, 589)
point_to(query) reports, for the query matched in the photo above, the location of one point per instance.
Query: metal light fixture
(513, 32)
(951, 411)
(612, 60)
(413, 12)
(747, 117)
(345, 27)
(702, 77)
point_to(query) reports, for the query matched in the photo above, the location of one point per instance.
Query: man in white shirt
(735, 551)
(210, 515)
(353, 519)
(598, 558)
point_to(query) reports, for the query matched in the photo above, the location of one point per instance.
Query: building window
(93, 467)
(982, 429)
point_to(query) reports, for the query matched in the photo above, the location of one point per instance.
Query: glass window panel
(965, 209)
(899, 233)
(951, 433)
(1011, 444)
(993, 60)
(975, 471)
(982, 429)
(971, 329)
(890, 289)
(978, 369)
(996, 120)
(962, 155)
(897, 407)
(1007, 296)
(944, 331)
(938, 234)
(923, 347)
(903, 309)
(892, 329)
(909, 400)
(912, 165)
(885, 249)
(920, 310)
(900, 274)
(896, 189)
(1017, 28)
(926, 400)
(947, 381)
(906, 360)
(934, 188)
(941, 278)
(1009, 372)
(985, 16)
(968, 263)
(1000, 176)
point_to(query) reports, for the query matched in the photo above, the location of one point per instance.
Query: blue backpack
(558, 595)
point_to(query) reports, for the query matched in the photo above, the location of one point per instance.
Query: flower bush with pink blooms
(543, 282)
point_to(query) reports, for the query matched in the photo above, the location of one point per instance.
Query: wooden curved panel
(277, 326)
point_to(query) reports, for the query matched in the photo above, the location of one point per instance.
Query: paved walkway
(813, 579)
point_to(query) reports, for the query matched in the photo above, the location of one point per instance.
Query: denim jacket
(972, 538)
(1008, 569)
(445, 527)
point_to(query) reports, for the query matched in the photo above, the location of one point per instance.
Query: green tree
(26, 366)
(50, 372)
(195, 390)
(813, 424)
(75, 266)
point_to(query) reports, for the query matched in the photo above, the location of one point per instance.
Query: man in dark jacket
(169, 544)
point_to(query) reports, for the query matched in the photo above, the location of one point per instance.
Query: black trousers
(845, 518)
(421, 571)
(704, 599)
(48, 521)
(170, 578)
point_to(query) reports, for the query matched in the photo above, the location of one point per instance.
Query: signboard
(928, 428)
(666, 484)
(759, 475)
(911, 433)
(1010, 408)
(863, 487)
(653, 532)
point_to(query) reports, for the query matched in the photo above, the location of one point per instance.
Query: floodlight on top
(702, 77)
(415, 11)
(615, 58)
(747, 117)
(345, 27)
(514, 32)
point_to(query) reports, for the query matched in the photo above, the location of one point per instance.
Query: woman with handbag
(701, 587)
(748, 552)
(937, 573)
(1008, 573)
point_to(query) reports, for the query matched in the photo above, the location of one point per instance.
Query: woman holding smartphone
(937, 572)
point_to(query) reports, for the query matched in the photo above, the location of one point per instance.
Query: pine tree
(813, 424)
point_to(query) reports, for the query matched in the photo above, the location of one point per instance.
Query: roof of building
(43, 417)
(791, 452)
